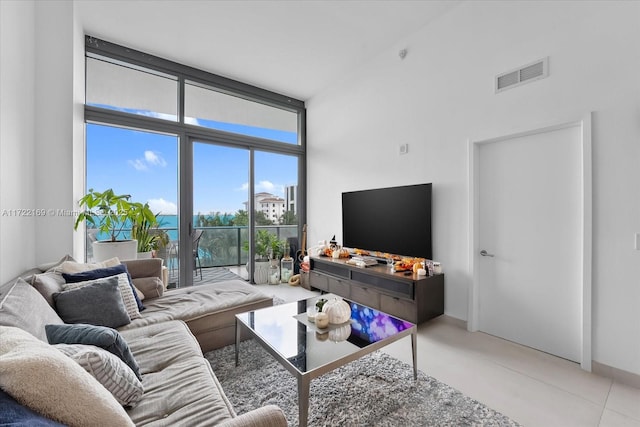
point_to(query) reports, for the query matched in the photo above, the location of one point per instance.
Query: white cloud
(154, 158)
(138, 164)
(163, 206)
(151, 158)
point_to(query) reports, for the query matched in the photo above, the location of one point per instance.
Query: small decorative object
(333, 243)
(337, 310)
(320, 303)
(311, 313)
(422, 272)
(340, 333)
(437, 268)
(286, 266)
(322, 320)
(274, 273)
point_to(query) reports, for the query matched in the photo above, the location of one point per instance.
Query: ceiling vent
(528, 73)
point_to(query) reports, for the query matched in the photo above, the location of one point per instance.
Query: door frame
(584, 123)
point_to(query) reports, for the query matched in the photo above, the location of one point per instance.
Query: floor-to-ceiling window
(204, 151)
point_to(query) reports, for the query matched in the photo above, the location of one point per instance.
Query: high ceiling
(296, 48)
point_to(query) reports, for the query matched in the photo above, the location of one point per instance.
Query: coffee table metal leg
(237, 340)
(303, 400)
(414, 351)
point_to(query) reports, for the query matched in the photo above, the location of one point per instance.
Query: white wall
(442, 94)
(56, 40)
(17, 137)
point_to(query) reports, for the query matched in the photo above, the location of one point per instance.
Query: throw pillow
(52, 265)
(45, 380)
(123, 285)
(108, 369)
(96, 304)
(99, 273)
(78, 267)
(139, 293)
(102, 337)
(48, 284)
(22, 306)
(13, 413)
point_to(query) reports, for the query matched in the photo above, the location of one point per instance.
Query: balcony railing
(218, 246)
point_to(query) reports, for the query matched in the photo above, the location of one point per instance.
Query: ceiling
(296, 48)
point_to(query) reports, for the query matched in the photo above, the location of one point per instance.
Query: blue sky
(145, 165)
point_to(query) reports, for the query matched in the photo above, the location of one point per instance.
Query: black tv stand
(413, 298)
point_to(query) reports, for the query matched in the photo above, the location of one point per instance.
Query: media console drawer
(365, 295)
(399, 307)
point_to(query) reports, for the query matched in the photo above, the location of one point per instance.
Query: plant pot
(123, 249)
(261, 274)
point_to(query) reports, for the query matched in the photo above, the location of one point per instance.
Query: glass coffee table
(308, 352)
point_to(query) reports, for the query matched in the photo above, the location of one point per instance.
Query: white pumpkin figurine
(337, 310)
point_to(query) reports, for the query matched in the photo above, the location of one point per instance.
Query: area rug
(376, 390)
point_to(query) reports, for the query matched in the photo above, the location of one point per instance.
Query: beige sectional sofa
(167, 341)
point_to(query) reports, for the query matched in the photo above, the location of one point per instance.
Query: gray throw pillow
(97, 304)
(100, 336)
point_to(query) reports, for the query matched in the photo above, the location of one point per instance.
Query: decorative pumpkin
(341, 333)
(337, 310)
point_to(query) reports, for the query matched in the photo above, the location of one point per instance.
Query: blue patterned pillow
(100, 336)
(100, 273)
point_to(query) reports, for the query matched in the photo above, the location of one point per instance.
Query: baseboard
(618, 375)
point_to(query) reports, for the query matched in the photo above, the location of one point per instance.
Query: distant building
(272, 206)
(291, 192)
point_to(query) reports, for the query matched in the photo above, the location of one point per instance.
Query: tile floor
(531, 387)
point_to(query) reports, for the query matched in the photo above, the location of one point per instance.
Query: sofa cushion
(77, 267)
(100, 336)
(48, 284)
(179, 385)
(99, 303)
(99, 273)
(126, 292)
(45, 380)
(13, 413)
(22, 306)
(108, 369)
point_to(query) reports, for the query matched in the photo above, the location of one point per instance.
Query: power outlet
(404, 148)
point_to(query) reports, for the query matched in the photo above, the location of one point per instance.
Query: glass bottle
(286, 266)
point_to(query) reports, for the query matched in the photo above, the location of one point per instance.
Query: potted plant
(109, 213)
(266, 245)
(145, 230)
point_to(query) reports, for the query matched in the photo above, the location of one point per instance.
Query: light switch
(404, 148)
(637, 241)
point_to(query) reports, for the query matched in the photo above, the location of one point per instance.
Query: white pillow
(108, 369)
(43, 379)
(72, 267)
(125, 291)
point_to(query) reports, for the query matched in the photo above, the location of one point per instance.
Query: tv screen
(395, 220)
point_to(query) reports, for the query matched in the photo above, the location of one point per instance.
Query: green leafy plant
(106, 211)
(145, 228)
(267, 244)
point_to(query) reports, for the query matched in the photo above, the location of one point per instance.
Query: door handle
(485, 253)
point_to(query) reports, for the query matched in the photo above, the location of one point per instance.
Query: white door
(530, 223)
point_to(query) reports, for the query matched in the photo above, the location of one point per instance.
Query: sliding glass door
(220, 218)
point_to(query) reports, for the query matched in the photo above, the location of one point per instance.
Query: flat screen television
(395, 220)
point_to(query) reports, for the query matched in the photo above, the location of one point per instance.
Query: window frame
(186, 133)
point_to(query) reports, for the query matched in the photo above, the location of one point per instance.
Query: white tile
(615, 419)
(625, 400)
